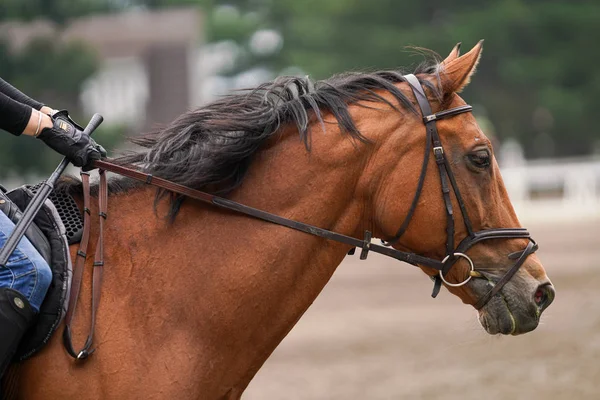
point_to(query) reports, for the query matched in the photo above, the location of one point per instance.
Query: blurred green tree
(51, 73)
(48, 71)
(56, 10)
(536, 81)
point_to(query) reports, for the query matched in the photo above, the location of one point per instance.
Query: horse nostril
(544, 295)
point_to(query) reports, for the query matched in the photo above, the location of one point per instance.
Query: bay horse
(196, 298)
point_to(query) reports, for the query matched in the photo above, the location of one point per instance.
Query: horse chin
(497, 317)
(496, 320)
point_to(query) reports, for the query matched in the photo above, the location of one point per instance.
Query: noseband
(433, 144)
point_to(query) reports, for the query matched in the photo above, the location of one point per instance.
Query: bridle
(433, 144)
(452, 253)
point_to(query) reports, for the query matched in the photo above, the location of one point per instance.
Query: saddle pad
(53, 308)
(68, 211)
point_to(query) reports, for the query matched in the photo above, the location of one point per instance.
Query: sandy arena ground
(375, 333)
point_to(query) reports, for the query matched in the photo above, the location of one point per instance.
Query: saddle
(57, 225)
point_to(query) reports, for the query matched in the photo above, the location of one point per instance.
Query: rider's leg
(24, 281)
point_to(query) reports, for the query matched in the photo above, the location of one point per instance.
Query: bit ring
(466, 280)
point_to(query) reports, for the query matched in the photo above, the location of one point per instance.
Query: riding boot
(16, 316)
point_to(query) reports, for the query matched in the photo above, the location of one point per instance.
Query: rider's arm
(18, 96)
(58, 131)
(18, 118)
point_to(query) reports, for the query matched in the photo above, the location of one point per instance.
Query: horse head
(476, 205)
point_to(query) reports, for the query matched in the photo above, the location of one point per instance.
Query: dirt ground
(375, 333)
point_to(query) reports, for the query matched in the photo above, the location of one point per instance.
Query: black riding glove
(68, 139)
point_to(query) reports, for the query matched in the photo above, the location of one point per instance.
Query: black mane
(211, 148)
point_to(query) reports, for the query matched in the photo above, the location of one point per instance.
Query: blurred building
(148, 72)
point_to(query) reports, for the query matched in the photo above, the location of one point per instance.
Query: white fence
(554, 189)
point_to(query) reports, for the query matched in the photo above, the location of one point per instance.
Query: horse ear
(453, 54)
(456, 73)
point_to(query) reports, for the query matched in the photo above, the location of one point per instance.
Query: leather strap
(443, 168)
(498, 233)
(509, 274)
(417, 196)
(80, 264)
(433, 139)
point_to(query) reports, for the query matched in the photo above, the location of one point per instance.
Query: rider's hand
(47, 110)
(68, 139)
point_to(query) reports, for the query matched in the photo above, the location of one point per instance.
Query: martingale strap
(98, 270)
(79, 265)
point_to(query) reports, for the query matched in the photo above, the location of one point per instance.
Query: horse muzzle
(517, 308)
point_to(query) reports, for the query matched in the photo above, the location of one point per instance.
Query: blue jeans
(26, 271)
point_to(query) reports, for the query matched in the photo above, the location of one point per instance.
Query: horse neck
(241, 283)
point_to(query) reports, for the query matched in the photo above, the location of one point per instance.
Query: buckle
(438, 151)
(429, 118)
(366, 245)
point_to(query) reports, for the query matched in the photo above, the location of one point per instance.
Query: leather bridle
(452, 253)
(433, 144)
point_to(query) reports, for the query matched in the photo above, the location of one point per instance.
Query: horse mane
(212, 147)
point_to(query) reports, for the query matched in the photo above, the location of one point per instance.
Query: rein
(221, 202)
(448, 182)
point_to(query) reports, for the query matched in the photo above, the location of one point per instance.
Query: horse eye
(480, 158)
